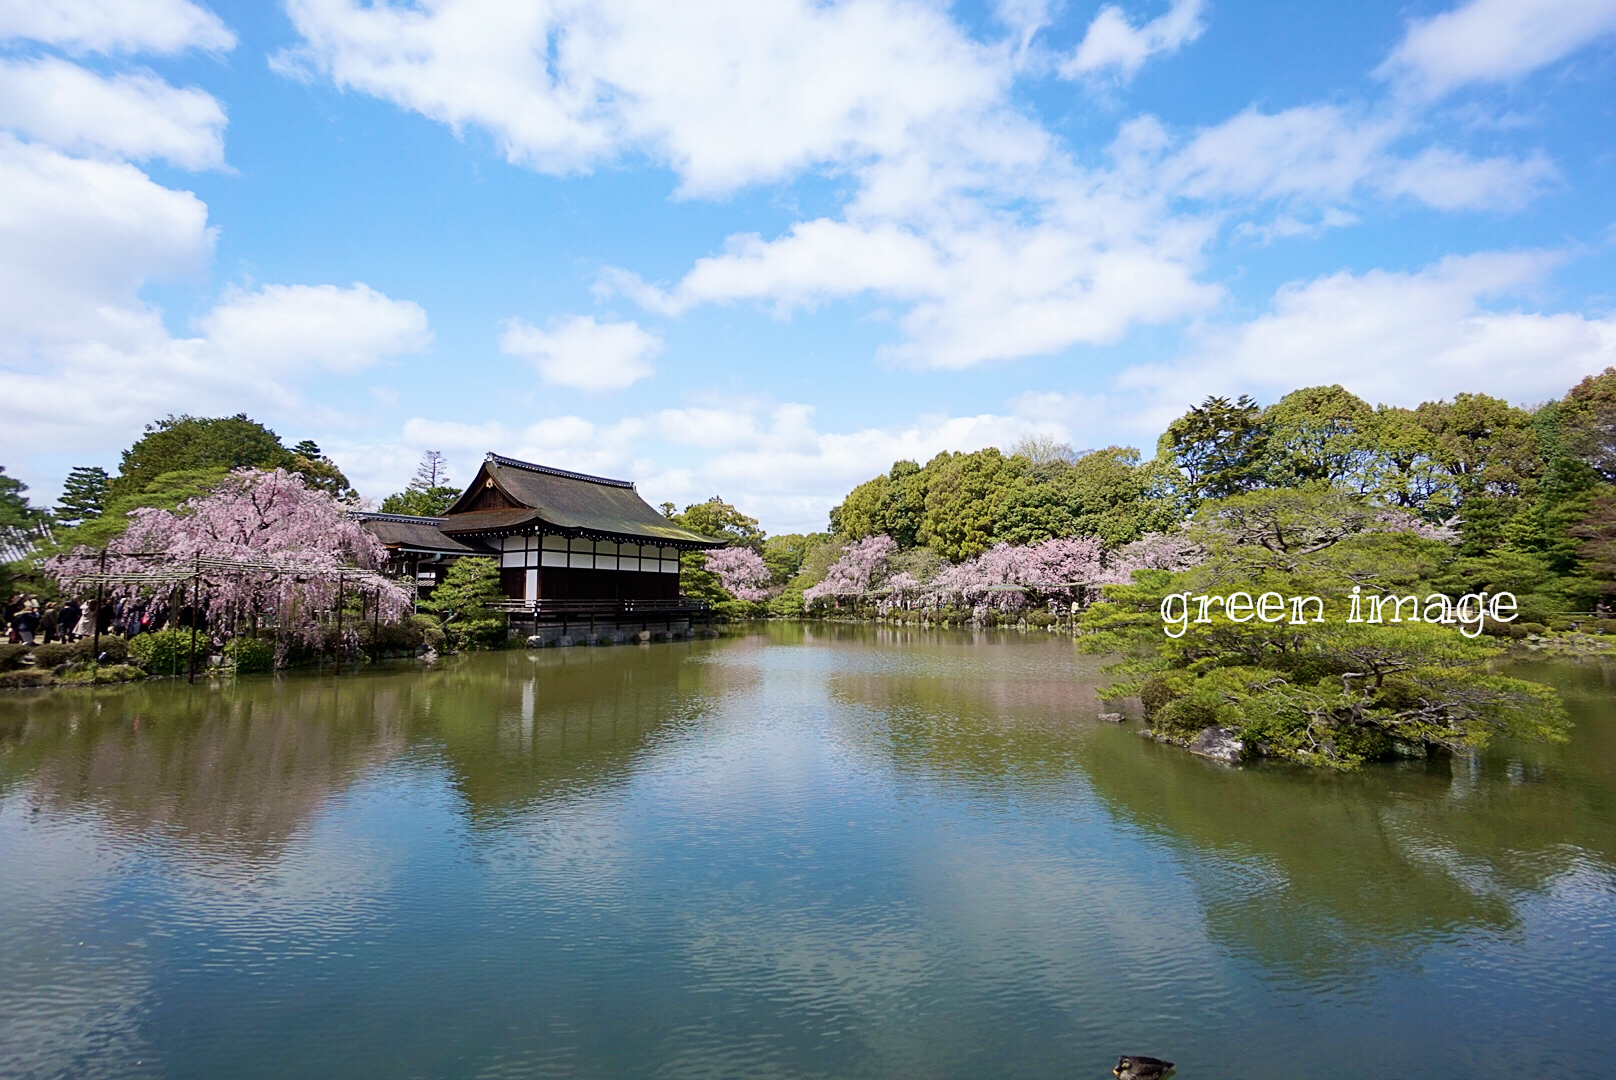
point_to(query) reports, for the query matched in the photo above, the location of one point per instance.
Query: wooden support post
(337, 670)
(100, 598)
(376, 629)
(196, 598)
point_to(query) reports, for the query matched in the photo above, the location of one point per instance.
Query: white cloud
(286, 329)
(1449, 180)
(115, 26)
(1494, 41)
(1398, 338)
(986, 286)
(584, 354)
(996, 243)
(1113, 44)
(729, 92)
(1324, 153)
(134, 116)
(966, 214)
(97, 393)
(78, 239)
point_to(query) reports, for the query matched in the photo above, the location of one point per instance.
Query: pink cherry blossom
(861, 569)
(741, 571)
(266, 545)
(1012, 578)
(1173, 551)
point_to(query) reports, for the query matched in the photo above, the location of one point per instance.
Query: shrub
(106, 673)
(250, 654)
(1536, 627)
(1155, 693)
(409, 635)
(48, 656)
(431, 633)
(14, 680)
(11, 656)
(115, 648)
(166, 652)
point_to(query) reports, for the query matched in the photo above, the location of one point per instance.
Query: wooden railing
(555, 609)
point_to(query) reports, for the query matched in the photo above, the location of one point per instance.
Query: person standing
(68, 620)
(86, 626)
(50, 621)
(27, 622)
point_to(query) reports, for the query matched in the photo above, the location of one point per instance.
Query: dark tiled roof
(415, 534)
(570, 502)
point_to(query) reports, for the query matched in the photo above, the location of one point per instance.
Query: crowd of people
(30, 622)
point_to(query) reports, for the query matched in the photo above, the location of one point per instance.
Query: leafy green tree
(14, 508)
(1592, 394)
(818, 557)
(320, 472)
(84, 495)
(1405, 470)
(963, 497)
(717, 518)
(1107, 493)
(892, 505)
(188, 443)
(1219, 447)
(1320, 434)
(1597, 534)
(1488, 446)
(463, 604)
(1331, 693)
(1564, 498)
(784, 554)
(432, 502)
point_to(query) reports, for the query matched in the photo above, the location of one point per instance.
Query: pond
(798, 850)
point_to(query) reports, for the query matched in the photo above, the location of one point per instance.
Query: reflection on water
(808, 850)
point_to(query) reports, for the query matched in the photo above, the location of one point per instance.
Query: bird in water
(1141, 1067)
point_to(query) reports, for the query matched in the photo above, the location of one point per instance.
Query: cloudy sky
(762, 248)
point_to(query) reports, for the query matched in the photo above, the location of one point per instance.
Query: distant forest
(1527, 495)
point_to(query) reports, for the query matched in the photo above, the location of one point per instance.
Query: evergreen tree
(428, 494)
(715, 517)
(464, 604)
(1220, 447)
(182, 443)
(84, 495)
(14, 508)
(433, 472)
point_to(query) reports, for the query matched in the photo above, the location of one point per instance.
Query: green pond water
(797, 851)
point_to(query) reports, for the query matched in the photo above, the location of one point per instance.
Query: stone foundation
(558, 636)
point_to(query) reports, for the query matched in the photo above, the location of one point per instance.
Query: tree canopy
(189, 443)
(428, 494)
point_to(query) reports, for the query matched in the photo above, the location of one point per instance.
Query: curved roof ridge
(551, 470)
(377, 515)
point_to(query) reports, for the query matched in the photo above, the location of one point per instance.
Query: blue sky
(762, 248)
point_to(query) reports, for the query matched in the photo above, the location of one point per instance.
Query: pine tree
(428, 494)
(14, 508)
(433, 472)
(84, 495)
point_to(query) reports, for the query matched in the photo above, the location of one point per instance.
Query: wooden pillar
(196, 593)
(337, 670)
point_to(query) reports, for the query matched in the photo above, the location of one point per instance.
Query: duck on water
(1141, 1067)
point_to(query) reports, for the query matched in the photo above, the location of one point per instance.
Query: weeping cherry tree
(263, 545)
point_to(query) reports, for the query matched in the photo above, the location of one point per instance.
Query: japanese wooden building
(570, 546)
